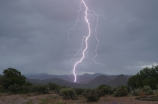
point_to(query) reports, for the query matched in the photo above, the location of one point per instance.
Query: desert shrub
(79, 91)
(148, 90)
(114, 89)
(25, 89)
(60, 102)
(68, 93)
(28, 84)
(121, 91)
(58, 88)
(14, 89)
(32, 88)
(136, 92)
(2, 89)
(102, 86)
(128, 89)
(52, 86)
(92, 95)
(17, 89)
(86, 91)
(155, 91)
(104, 90)
(41, 89)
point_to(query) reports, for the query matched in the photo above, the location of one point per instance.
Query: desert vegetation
(140, 86)
(147, 76)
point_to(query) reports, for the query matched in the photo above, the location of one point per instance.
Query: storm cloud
(34, 39)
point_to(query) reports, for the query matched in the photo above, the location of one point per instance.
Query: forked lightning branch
(85, 38)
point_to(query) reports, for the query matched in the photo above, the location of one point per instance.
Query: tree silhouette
(10, 77)
(147, 76)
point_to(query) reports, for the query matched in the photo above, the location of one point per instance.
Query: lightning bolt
(75, 23)
(85, 38)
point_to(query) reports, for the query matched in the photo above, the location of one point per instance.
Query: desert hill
(99, 80)
(85, 80)
(80, 78)
(53, 80)
(119, 80)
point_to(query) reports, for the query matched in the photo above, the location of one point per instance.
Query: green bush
(86, 90)
(32, 88)
(92, 95)
(14, 89)
(68, 93)
(148, 90)
(102, 86)
(104, 90)
(136, 92)
(28, 84)
(41, 89)
(52, 86)
(2, 89)
(58, 88)
(79, 91)
(17, 89)
(60, 102)
(121, 91)
(114, 89)
(25, 89)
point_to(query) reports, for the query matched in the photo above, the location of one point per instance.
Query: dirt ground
(54, 99)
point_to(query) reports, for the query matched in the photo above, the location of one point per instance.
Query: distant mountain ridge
(53, 80)
(99, 80)
(85, 80)
(80, 78)
(119, 80)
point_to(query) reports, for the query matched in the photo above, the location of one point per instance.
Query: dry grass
(142, 94)
(55, 99)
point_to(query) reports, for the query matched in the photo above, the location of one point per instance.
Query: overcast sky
(34, 39)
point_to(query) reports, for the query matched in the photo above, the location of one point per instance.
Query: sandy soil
(53, 99)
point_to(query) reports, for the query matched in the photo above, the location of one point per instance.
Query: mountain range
(85, 80)
(80, 78)
(53, 80)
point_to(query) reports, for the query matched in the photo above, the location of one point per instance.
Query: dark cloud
(57, 10)
(34, 39)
